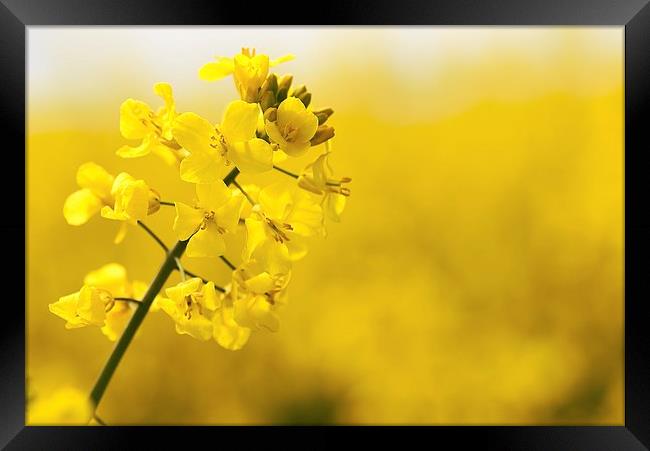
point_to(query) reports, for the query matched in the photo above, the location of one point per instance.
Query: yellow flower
(122, 198)
(95, 303)
(286, 215)
(83, 308)
(293, 128)
(226, 331)
(259, 289)
(249, 70)
(113, 278)
(217, 212)
(317, 178)
(213, 148)
(95, 184)
(191, 304)
(66, 406)
(138, 121)
(133, 199)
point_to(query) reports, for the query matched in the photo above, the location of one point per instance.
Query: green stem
(127, 336)
(227, 262)
(248, 198)
(284, 171)
(153, 235)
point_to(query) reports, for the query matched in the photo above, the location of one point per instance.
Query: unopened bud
(271, 114)
(270, 84)
(323, 133)
(299, 90)
(305, 98)
(283, 87)
(323, 115)
(267, 100)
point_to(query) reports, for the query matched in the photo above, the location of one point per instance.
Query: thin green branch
(227, 262)
(153, 235)
(168, 204)
(248, 198)
(284, 171)
(157, 284)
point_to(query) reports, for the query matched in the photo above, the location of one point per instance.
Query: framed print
(399, 215)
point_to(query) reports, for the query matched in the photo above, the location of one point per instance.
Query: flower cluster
(270, 123)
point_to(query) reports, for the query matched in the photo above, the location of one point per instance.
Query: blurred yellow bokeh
(476, 276)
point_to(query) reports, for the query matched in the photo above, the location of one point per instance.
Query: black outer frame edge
(535, 12)
(637, 228)
(12, 225)
(351, 12)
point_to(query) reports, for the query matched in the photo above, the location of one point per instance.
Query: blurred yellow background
(476, 277)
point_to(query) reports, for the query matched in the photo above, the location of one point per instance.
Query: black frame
(634, 15)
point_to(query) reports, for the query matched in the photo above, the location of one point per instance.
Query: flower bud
(283, 87)
(270, 84)
(299, 91)
(305, 98)
(323, 115)
(323, 133)
(267, 100)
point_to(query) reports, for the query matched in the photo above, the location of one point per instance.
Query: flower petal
(206, 242)
(134, 119)
(296, 149)
(212, 196)
(334, 206)
(274, 133)
(239, 121)
(282, 59)
(111, 277)
(227, 217)
(253, 156)
(217, 70)
(227, 332)
(95, 178)
(202, 167)
(141, 150)
(188, 220)
(255, 235)
(193, 132)
(80, 206)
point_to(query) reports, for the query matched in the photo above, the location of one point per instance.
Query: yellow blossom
(83, 308)
(213, 148)
(122, 198)
(113, 278)
(249, 71)
(226, 331)
(317, 178)
(133, 199)
(293, 128)
(285, 215)
(95, 303)
(217, 212)
(138, 121)
(259, 288)
(65, 406)
(191, 304)
(95, 184)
